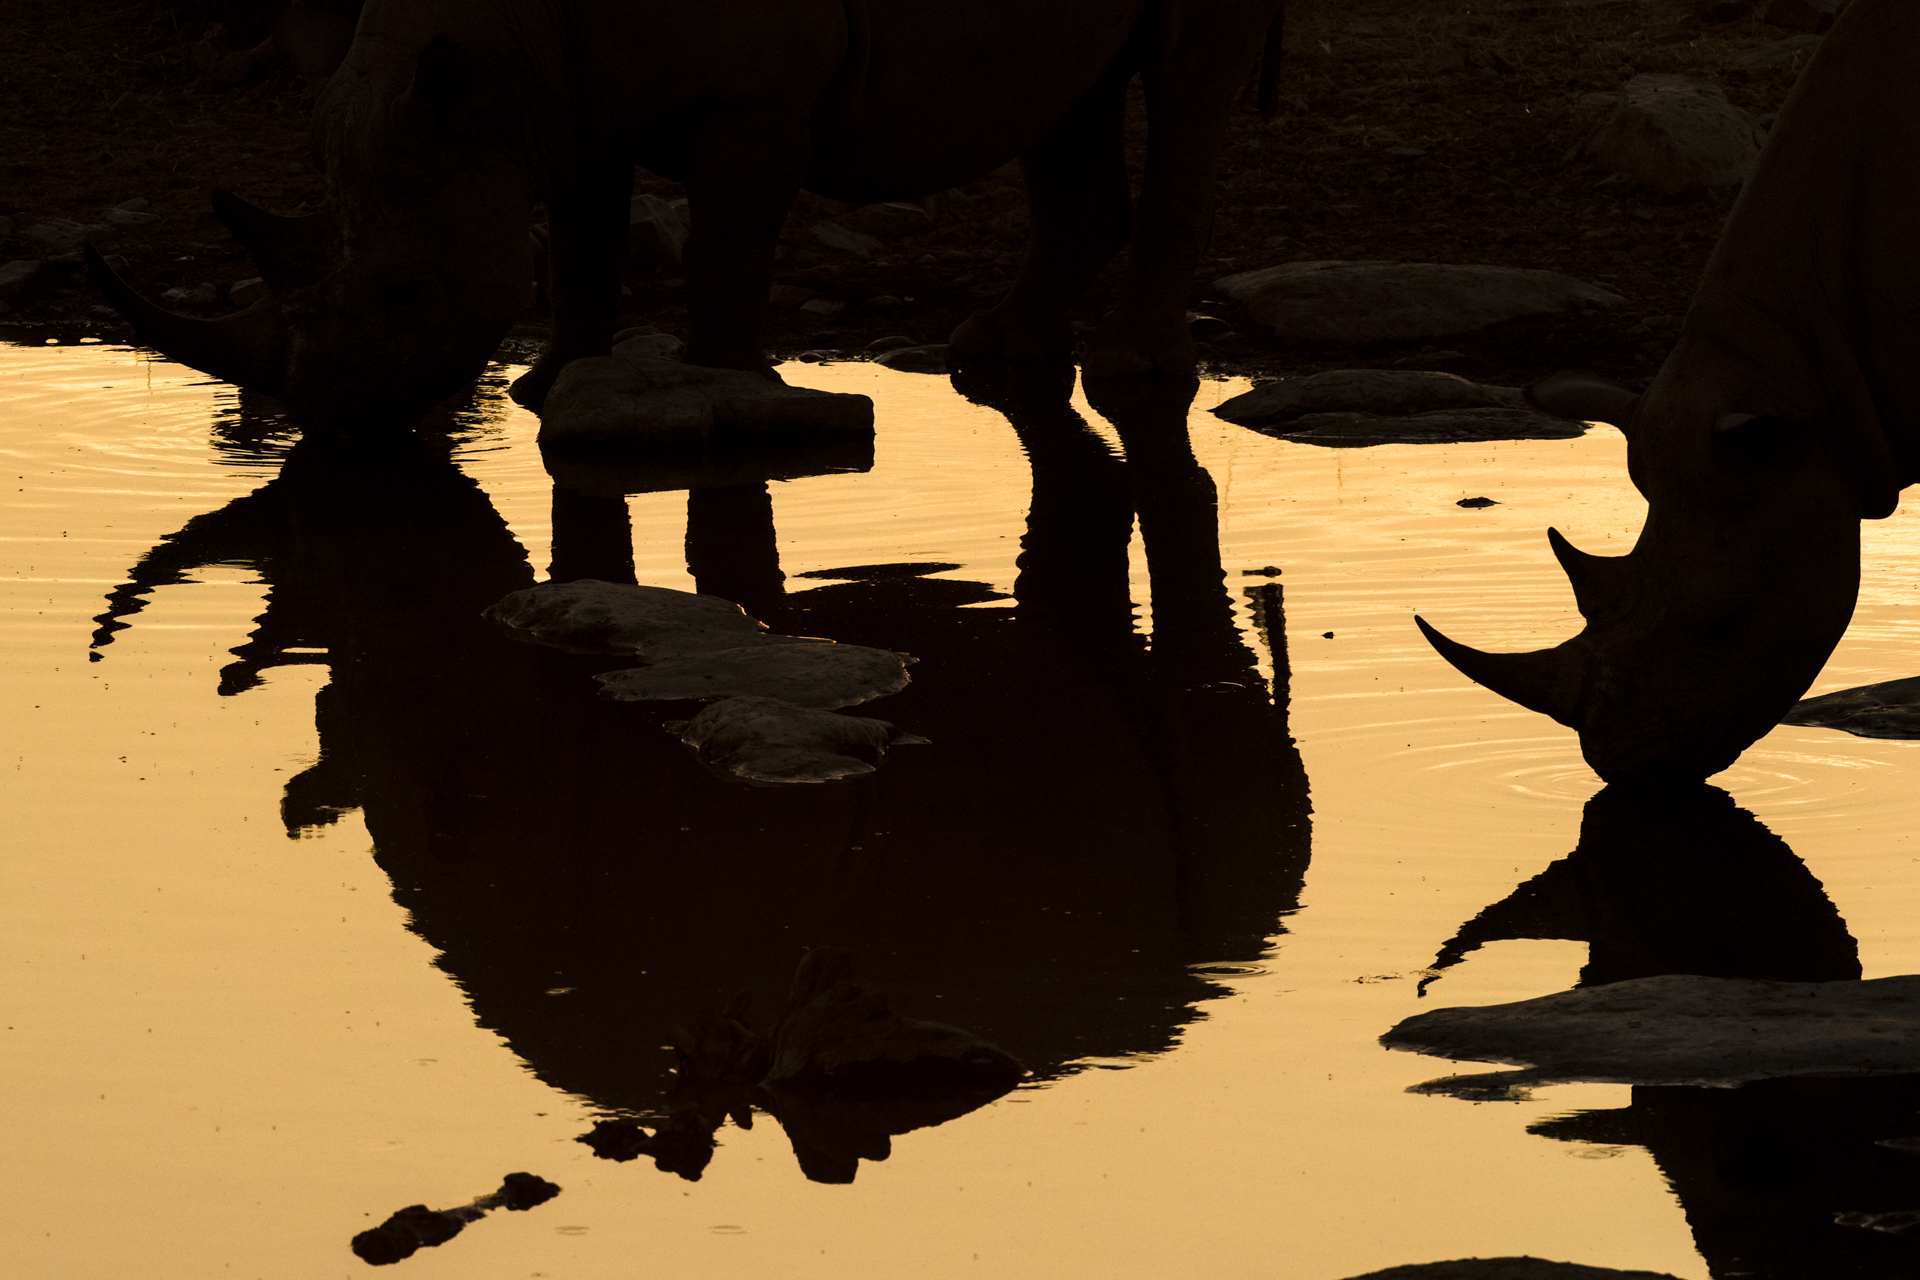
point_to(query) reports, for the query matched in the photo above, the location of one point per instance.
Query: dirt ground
(102, 104)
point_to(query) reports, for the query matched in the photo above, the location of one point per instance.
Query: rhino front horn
(1600, 583)
(290, 252)
(248, 348)
(1546, 680)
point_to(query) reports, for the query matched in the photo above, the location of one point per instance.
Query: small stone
(823, 306)
(884, 303)
(1208, 328)
(788, 295)
(590, 616)
(190, 295)
(893, 342)
(846, 239)
(130, 218)
(819, 356)
(244, 293)
(1476, 502)
(63, 235)
(134, 205)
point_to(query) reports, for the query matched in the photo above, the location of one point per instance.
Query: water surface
(325, 899)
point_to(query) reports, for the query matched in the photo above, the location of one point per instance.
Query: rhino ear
(450, 82)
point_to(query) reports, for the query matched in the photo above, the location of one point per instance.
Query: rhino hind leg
(1077, 195)
(586, 245)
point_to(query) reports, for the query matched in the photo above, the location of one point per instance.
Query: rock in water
(1365, 302)
(1684, 1030)
(1890, 709)
(1348, 408)
(805, 672)
(1521, 1268)
(618, 399)
(1677, 135)
(589, 616)
(768, 740)
(417, 1227)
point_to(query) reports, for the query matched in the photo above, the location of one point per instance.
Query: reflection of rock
(1890, 709)
(417, 1227)
(803, 671)
(589, 616)
(1508, 1269)
(839, 1031)
(1686, 1029)
(1441, 426)
(768, 740)
(1390, 392)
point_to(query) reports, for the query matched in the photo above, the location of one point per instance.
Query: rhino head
(394, 294)
(1742, 580)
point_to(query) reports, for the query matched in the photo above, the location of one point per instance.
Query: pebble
(130, 218)
(190, 295)
(892, 342)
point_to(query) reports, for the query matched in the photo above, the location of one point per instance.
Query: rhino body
(447, 123)
(1785, 415)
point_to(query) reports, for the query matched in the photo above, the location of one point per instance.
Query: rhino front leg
(1190, 88)
(748, 171)
(587, 247)
(1081, 210)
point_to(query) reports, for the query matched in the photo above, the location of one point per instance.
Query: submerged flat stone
(802, 671)
(642, 398)
(590, 616)
(1512, 1268)
(767, 740)
(1357, 407)
(1890, 709)
(1684, 1030)
(1365, 302)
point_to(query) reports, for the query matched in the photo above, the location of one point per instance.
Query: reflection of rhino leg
(592, 537)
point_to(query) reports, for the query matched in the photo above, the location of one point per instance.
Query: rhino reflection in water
(446, 123)
(1094, 825)
(1680, 880)
(1788, 412)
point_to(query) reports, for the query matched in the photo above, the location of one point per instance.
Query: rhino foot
(1125, 347)
(1010, 333)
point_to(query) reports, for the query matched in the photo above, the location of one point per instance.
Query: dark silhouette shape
(417, 1227)
(1678, 879)
(1055, 874)
(1674, 879)
(450, 122)
(1785, 415)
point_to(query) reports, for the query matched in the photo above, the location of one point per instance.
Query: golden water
(227, 1050)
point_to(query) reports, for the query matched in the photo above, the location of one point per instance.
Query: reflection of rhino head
(392, 297)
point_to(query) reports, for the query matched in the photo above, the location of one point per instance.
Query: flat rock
(1521, 1268)
(846, 239)
(770, 740)
(804, 671)
(656, 233)
(590, 616)
(1684, 1030)
(1677, 135)
(1357, 303)
(1890, 709)
(931, 358)
(621, 399)
(1440, 426)
(15, 275)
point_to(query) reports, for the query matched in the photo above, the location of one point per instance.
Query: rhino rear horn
(247, 348)
(1585, 397)
(290, 252)
(1600, 583)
